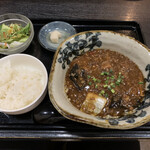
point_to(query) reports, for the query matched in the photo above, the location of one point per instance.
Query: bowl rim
(13, 49)
(53, 22)
(81, 119)
(44, 87)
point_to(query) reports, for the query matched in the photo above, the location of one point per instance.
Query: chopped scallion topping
(102, 73)
(109, 87)
(119, 80)
(107, 78)
(112, 90)
(89, 76)
(105, 85)
(113, 85)
(117, 83)
(141, 82)
(90, 83)
(94, 79)
(106, 73)
(102, 92)
(106, 81)
(112, 77)
(106, 95)
(96, 86)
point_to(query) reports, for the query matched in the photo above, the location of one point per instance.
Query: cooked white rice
(19, 86)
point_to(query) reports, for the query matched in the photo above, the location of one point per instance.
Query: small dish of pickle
(54, 33)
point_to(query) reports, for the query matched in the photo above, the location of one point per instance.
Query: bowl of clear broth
(102, 78)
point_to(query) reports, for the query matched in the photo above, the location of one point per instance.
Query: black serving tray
(45, 121)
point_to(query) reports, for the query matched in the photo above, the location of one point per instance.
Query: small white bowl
(25, 60)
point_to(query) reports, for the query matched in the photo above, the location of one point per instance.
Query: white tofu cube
(93, 104)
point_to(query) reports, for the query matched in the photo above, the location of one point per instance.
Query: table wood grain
(124, 10)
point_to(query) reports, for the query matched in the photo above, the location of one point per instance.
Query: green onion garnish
(94, 79)
(112, 77)
(106, 81)
(102, 73)
(113, 85)
(102, 91)
(90, 83)
(107, 78)
(105, 85)
(117, 83)
(119, 80)
(112, 90)
(106, 95)
(106, 73)
(141, 82)
(109, 87)
(96, 86)
(89, 76)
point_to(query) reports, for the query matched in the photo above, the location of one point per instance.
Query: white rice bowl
(23, 83)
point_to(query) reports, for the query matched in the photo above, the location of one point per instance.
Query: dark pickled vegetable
(78, 77)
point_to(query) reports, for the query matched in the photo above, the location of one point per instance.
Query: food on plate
(104, 83)
(19, 86)
(55, 36)
(93, 103)
(13, 35)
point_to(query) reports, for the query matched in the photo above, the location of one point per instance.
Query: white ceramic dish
(71, 47)
(28, 61)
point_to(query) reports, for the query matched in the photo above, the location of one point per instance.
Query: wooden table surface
(124, 10)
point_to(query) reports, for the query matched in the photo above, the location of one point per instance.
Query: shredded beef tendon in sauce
(104, 83)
